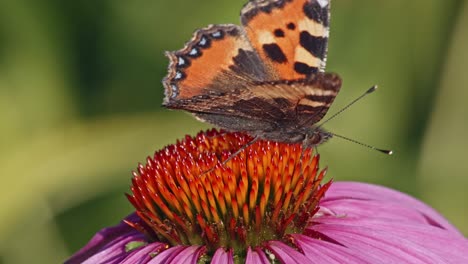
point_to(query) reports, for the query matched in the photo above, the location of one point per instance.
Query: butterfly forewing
(218, 58)
(291, 36)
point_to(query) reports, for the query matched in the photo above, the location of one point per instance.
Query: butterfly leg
(305, 146)
(316, 150)
(248, 144)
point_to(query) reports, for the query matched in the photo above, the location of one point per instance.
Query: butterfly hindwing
(291, 36)
(286, 103)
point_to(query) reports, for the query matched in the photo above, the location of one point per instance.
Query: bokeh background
(80, 96)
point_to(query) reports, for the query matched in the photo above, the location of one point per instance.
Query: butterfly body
(265, 78)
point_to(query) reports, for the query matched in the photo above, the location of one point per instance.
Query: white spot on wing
(292, 92)
(202, 42)
(312, 103)
(323, 3)
(175, 90)
(194, 51)
(266, 37)
(181, 61)
(320, 92)
(314, 28)
(302, 55)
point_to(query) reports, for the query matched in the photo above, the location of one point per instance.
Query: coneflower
(269, 204)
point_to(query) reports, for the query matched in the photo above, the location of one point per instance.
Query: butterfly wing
(265, 76)
(281, 39)
(217, 59)
(267, 105)
(290, 36)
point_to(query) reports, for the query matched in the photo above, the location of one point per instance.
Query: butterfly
(265, 78)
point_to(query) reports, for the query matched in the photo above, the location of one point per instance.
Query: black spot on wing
(279, 33)
(291, 26)
(274, 52)
(314, 11)
(315, 45)
(249, 63)
(303, 68)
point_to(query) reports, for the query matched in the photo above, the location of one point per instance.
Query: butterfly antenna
(371, 90)
(385, 151)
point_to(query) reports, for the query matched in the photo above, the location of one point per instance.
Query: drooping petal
(256, 256)
(286, 254)
(222, 256)
(189, 255)
(319, 251)
(107, 245)
(393, 240)
(168, 255)
(113, 252)
(144, 254)
(354, 208)
(370, 192)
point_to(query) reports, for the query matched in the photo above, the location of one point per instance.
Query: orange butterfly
(265, 78)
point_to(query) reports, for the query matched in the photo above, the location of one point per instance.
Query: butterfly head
(315, 136)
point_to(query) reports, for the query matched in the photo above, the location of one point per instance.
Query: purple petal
(144, 254)
(363, 191)
(222, 257)
(256, 256)
(319, 251)
(286, 254)
(113, 252)
(394, 241)
(190, 254)
(350, 208)
(107, 245)
(168, 255)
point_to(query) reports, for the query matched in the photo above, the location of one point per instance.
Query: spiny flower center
(186, 195)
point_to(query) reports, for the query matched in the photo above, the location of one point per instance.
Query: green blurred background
(80, 97)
